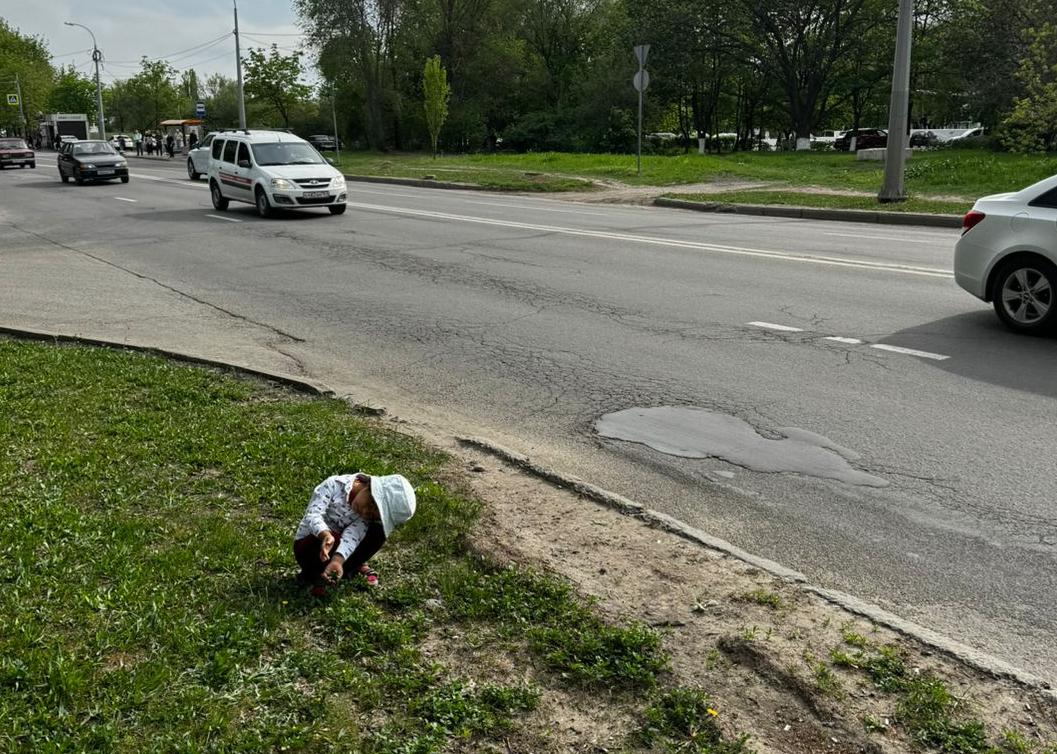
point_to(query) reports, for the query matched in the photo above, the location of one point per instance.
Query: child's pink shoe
(369, 575)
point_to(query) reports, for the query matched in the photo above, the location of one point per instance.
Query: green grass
(684, 720)
(828, 201)
(960, 173)
(148, 601)
(761, 597)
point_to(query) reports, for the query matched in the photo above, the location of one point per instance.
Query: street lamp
(96, 56)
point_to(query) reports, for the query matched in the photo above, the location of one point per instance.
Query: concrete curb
(979, 660)
(817, 213)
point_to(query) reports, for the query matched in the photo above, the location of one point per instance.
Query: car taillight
(971, 220)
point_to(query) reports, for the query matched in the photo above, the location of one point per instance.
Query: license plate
(104, 172)
(315, 194)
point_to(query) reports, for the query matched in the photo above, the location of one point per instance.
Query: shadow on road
(981, 348)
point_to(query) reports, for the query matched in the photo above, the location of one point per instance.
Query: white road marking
(228, 219)
(910, 351)
(936, 239)
(849, 341)
(183, 182)
(736, 250)
(537, 209)
(123, 199)
(490, 204)
(772, 326)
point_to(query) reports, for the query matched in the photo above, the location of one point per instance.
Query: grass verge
(967, 173)
(827, 201)
(148, 601)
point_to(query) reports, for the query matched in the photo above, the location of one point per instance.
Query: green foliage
(27, 58)
(761, 597)
(683, 720)
(273, 83)
(72, 93)
(1032, 125)
(436, 93)
(927, 712)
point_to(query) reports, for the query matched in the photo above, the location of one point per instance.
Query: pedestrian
(192, 140)
(169, 144)
(348, 519)
(137, 138)
(149, 144)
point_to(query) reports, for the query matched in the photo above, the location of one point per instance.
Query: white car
(198, 158)
(272, 170)
(1008, 255)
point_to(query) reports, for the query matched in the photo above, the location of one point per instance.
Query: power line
(189, 52)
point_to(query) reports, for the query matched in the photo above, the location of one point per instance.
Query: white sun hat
(395, 498)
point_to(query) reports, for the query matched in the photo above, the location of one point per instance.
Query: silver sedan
(1008, 255)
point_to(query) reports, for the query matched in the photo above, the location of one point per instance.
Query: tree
(1032, 126)
(273, 81)
(152, 95)
(27, 58)
(436, 93)
(72, 93)
(221, 96)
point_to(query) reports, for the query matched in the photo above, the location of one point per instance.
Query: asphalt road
(527, 319)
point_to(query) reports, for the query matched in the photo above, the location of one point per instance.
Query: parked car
(16, 152)
(923, 139)
(1008, 255)
(865, 138)
(121, 142)
(322, 142)
(967, 134)
(198, 158)
(272, 170)
(828, 138)
(91, 161)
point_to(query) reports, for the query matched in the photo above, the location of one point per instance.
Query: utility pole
(96, 56)
(21, 110)
(641, 81)
(893, 189)
(334, 115)
(238, 69)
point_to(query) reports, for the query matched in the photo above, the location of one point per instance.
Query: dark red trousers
(306, 551)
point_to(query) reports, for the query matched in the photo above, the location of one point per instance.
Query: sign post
(640, 82)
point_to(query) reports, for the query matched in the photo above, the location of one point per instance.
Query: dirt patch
(758, 646)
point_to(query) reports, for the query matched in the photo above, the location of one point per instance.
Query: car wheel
(65, 178)
(78, 180)
(337, 209)
(124, 179)
(191, 172)
(264, 208)
(1024, 295)
(219, 202)
(33, 165)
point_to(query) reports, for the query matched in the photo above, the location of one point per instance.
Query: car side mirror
(244, 163)
(329, 160)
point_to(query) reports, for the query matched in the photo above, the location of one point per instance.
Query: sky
(127, 30)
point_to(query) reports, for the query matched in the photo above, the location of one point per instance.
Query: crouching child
(348, 519)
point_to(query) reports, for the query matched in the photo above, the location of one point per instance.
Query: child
(348, 519)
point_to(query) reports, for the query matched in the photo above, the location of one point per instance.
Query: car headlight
(282, 184)
(121, 164)
(338, 182)
(88, 166)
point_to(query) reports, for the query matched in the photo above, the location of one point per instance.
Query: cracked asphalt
(525, 319)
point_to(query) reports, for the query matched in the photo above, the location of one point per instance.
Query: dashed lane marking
(226, 219)
(772, 326)
(849, 341)
(910, 351)
(123, 199)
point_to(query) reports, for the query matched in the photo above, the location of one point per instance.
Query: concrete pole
(334, 115)
(638, 155)
(21, 110)
(895, 158)
(238, 69)
(96, 56)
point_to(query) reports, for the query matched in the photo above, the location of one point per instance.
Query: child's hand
(334, 571)
(324, 547)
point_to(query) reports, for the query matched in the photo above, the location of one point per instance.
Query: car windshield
(93, 147)
(12, 144)
(285, 153)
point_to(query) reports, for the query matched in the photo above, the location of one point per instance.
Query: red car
(15, 152)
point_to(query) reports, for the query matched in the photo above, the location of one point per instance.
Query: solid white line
(229, 219)
(811, 258)
(123, 199)
(910, 352)
(178, 182)
(937, 239)
(536, 209)
(849, 341)
(772, 326)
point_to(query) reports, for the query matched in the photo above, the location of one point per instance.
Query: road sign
(641, 81)
(200, 109)
(641, 53)
(12, 99)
